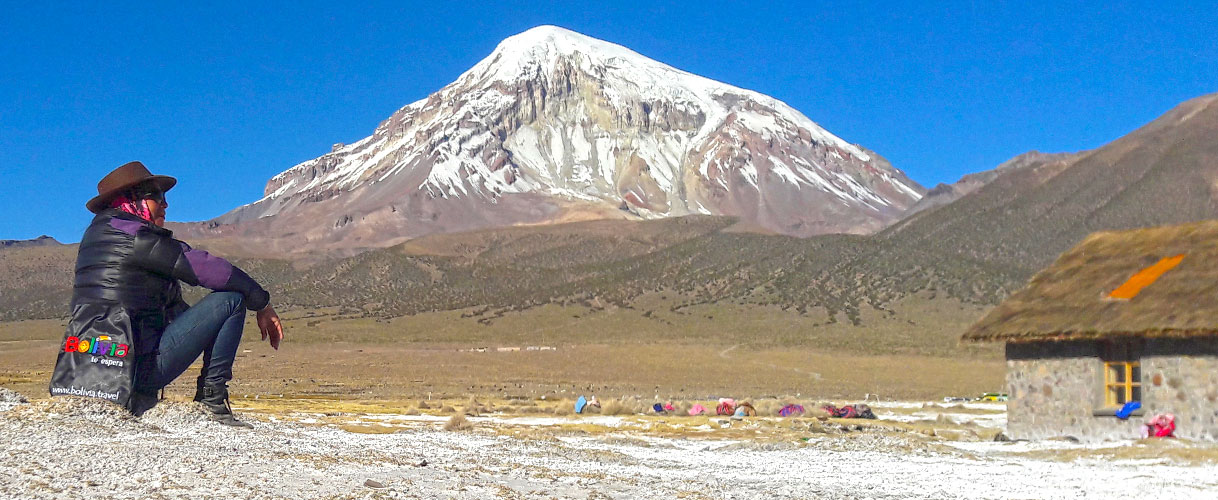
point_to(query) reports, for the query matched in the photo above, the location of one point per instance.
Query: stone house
(1123, 316)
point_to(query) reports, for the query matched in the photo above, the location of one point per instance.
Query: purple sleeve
(124, 225)
(213, 272)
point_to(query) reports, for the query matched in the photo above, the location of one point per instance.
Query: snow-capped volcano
(556, 126)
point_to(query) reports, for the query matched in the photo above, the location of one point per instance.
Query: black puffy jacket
(127, 271)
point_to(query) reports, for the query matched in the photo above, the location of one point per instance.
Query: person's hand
(271, 328)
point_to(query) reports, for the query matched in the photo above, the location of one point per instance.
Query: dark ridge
(43, 240)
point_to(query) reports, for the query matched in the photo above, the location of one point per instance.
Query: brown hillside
(1163, 173)
(977, 249)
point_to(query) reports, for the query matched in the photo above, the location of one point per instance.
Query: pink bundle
(1161, 425)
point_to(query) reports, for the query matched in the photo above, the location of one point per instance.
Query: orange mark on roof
(1145, 278)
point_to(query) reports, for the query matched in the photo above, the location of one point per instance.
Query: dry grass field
(692, 353)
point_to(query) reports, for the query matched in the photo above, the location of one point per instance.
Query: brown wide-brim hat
(123, 178)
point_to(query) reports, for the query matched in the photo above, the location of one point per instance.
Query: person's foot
(142, 402)
(215, 399)
(231, 421)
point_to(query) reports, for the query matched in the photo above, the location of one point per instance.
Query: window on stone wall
(1122, 374)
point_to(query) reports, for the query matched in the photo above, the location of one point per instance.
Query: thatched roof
(1071, 299)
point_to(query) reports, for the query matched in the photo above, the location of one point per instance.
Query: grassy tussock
(475, 408)
(368, 429)
(767, 407)
(613, 407)
(458, 422)
(625, 406)
(683, 407)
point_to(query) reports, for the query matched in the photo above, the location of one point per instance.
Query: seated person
(128, 270)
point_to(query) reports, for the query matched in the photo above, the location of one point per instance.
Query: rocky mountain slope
(36, 280)
(943, 194)
(977, 248)
(555, 126)
(1165, 172)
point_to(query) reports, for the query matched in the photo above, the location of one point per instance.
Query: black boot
(199, 388)
(142, 402)
(215, 399)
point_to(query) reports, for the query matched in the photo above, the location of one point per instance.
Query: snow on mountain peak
(538, 50)
(540, 47)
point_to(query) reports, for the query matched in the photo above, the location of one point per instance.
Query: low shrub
(458, 422)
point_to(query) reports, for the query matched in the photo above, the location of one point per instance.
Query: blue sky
(225, 95)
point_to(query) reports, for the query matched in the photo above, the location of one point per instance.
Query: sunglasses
(150, 194)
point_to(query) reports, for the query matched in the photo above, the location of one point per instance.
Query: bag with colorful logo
(95, 358)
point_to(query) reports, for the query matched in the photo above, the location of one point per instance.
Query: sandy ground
(75, 448)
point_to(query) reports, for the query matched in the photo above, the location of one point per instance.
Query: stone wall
(1180, 376)
(1057, 387)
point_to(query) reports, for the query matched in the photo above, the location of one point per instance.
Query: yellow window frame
(1118, 392)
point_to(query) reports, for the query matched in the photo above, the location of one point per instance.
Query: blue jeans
(212, 327)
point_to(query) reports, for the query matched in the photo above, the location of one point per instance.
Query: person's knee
(234, 300)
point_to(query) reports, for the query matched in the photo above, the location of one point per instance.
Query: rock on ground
(9, 399)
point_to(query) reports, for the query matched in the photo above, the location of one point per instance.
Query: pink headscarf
(132, 207)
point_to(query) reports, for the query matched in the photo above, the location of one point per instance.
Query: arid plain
(702, 351)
